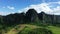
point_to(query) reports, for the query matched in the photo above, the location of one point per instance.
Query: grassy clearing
(54, 29)
(21, 27)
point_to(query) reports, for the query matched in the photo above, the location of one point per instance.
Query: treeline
(20, 18)
(31, 16)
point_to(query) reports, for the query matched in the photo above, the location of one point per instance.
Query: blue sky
(12, 6)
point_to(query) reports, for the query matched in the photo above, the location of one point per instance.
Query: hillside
(30, 22)
(33, 29)
(28, 29)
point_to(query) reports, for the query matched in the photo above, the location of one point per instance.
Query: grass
(54, 29)
(21, 27)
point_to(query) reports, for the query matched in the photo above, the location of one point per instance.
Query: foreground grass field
(24, 28)
(54, 29)
(20, 28)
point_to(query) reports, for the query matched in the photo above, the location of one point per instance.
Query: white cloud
(44, 7)
(6, 13)
(39, 7)
(56, 10)
(3, 13)
(59, 2)
(0, 13)
(23, 10)
(10, 7)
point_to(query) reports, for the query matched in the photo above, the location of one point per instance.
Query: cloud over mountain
(9, 7)
(46, 7)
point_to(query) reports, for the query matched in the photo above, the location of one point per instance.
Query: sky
(18, 6)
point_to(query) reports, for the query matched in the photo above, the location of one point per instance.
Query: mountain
(30, 22)
(30, 16)
(48, 18)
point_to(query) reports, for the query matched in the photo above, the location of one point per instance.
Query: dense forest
(30, 17)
